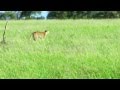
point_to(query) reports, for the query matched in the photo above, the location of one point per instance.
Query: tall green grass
(73, 49)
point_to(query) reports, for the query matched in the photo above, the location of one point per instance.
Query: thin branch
(4, 33)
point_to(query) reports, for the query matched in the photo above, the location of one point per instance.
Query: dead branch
(3, 41)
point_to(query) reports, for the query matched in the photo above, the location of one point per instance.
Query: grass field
(77, 49)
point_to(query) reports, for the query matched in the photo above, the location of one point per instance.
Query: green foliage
(8, 15)
(83, 14)
(18, 14)
(27, 14)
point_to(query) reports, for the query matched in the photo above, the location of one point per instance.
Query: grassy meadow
(73, 49)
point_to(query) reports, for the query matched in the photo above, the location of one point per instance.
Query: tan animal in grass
(39, 35)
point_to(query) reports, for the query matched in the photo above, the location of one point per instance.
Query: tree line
(83, 14)
(60, 14)
(20, 15)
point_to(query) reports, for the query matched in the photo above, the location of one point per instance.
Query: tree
(8, 15)
(52, 15)
(27, 14)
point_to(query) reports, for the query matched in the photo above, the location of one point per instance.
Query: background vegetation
(59, 15)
